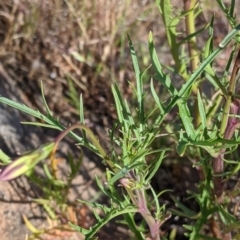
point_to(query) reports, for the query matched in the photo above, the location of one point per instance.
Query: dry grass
(84, 41)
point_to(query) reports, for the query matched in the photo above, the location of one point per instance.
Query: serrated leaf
(186, 119)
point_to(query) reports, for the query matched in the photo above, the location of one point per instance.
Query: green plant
(211, 144)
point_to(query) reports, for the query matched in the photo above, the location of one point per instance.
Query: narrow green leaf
(81, 116)
(201, 68)
(161, 76)
(25, 109)
(80, 229)
(181, 147)
(208, 48)
(188, 227)
(229, 37)
(205, 237)
(46, 204)
(156, 98)
(47, 172)
(81, 112)
(201, 111)
(122, 110)
(186, 211)
(131, 121)
(221, 4)
(189, 37)
(98, 218)
(138, 82)
(44, 101)
(41, 125)
(170, 24)
(101, 187)
(119, 107)
(230, 60)
(155, 167)
(114, 213)
(186, 119)
(50, 120)
(4, 157)
(232, 7)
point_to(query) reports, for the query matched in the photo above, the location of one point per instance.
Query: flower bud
(26, 162)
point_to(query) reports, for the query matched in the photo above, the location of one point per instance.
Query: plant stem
(227, 129)
(231, 92)
(189, 6)
(136, 192)
(91, 136)
(228, 126)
